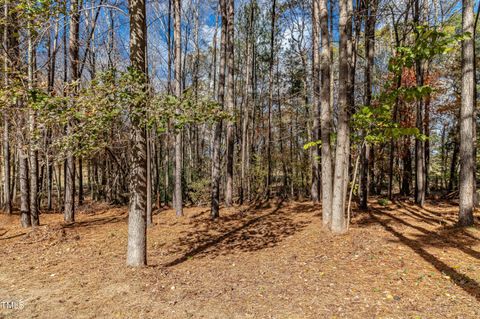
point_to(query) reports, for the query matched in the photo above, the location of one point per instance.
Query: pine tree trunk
(69, 209)
(24, 190)
(340, 179)
(316, 100)
(369, 64)
(326, 116)
(246, 109)
(149, 182)
(419, 143)
(178, 93)
(217, 130)
(34, 211)
(230, 102)
(270, 98)
(137, 233)
(81, 197)
(467, 146)
(6, 124)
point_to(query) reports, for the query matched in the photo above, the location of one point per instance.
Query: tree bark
(137, 233)
(217, 130)
(420, 176)
(326, 116)
(369, 63)
(340, 179)
(467, 145)
(33, 153)
(25, 218)
(178, 93)
(270, 98)
(69, 209)
(230, 102)
(246, 109)
(6, 124)
(314, 191)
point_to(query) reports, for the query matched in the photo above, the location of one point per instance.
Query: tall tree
(340, 179)
(371, 12)
(137, 230)
(217, 130)
(6, 123)
(34, 211)
(177, 27)
(270, 96)
(325, 116)
(74, 55)
(246, 107)
(467, 121)
(316, 99)
(420, 170)
(230, 99)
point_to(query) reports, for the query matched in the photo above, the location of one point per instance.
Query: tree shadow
(123, 217)
(245, 231)
(11, 237)
(450, 237)
(429, 238)
(421, 216)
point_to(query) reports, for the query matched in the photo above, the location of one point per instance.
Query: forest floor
(274, 261)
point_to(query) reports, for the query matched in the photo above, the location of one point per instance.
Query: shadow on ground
(245, 231)
(400, 224)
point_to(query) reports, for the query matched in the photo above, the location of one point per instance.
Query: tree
(6, 124)
(420, 169)
(217, 129)
(326, 121)
(178, 93)
(340, 178)
(230, 99)
(316, 99)
(370, 55)
(74, 55)
(270, 97)
(467, 121)
(137, 231)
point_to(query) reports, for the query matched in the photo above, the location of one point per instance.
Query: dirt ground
(273, 261)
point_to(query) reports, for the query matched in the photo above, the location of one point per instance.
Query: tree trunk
(246, 109)
(467, 146)
(137, 233)
(316, 100)
(230, 102)
(81, 196)
(6, 124)
(419, 144)
(340, 179)
(149, 181)
(270, 99)
(369, 63)
(70, 162)
(326, 116)
(217, 130)
(34, 211)
(178, 93)
(24, 190)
